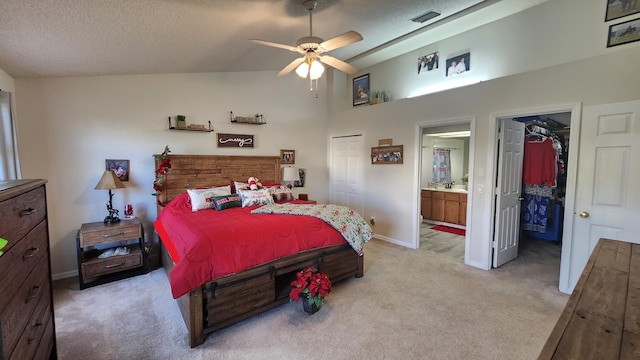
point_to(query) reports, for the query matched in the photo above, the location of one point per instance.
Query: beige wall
(68, 126)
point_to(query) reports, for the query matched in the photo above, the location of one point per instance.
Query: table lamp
(290, 175)
(110, 181)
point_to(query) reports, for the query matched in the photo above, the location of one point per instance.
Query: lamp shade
(109, 181)
(290, 174)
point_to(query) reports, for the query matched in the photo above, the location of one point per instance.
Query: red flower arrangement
(312, 285)
(163, 168)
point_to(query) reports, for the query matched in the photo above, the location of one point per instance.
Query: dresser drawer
(34, 290)
(89, 237)
(452, 196)
(437, 195)
(38, 331)
(98, 267)
(17, 263)
(20, 214)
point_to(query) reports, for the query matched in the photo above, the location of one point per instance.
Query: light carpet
(409, 305)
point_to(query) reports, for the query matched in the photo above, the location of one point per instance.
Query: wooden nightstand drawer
(90, 236)
(97, 267)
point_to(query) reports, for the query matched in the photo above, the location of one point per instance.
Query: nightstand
(94, 238)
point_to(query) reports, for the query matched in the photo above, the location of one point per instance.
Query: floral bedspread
(346, 221)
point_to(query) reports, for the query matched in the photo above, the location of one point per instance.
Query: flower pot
(309, 308)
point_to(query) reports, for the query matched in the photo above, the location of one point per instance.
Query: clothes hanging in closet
(539, 176)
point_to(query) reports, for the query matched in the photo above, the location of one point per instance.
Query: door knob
(584, 214)
(520, 199)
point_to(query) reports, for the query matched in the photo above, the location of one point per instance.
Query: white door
(508, 192)
(347, 172)
(607, 189)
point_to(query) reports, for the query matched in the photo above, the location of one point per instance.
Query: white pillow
(240, 186)
(281, 193)
(255, 197)
(202, 198)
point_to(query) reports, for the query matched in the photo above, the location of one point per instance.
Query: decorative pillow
(281, 193)
(224, 202)
(255, 197)
(201, 198)
(240, 186)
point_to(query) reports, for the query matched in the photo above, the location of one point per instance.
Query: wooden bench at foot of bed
(233, 298)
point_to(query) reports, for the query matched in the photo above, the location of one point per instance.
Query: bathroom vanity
(444, 205)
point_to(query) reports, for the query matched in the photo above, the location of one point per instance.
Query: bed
(234, 295)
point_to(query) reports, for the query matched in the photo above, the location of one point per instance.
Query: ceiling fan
(311, 47)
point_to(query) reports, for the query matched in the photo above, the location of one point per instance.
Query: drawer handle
(113, 265)
(112, 235)
(35, 292)
(35, 337)
(30, 253)
(27, 211)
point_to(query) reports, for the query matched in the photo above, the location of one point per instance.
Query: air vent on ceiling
(425, 17)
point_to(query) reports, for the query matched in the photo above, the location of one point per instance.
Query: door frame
(420, 126)
(572, 169)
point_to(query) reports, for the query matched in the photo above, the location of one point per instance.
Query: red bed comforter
(208, 244)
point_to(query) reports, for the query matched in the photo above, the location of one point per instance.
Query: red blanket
(208, 244)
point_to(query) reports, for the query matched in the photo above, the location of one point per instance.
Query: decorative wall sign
(120, 167)
(235, 140)
(387, 154)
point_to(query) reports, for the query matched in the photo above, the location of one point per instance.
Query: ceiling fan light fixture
(303, 70)
(316, 70)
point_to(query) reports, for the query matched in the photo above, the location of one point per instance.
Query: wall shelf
(258, 119)
(192, 127)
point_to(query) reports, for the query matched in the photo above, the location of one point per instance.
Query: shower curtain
(441, 165)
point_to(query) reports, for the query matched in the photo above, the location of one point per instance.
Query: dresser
(26, 300)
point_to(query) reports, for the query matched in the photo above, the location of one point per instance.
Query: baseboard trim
(393, 241)
(64, 275)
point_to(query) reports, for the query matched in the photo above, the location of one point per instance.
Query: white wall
(6, 82)
(68, 126)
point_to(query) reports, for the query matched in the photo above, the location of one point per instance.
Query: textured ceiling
(42, 38)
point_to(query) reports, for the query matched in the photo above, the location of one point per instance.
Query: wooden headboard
(192, 171)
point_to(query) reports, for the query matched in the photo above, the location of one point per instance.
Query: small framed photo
(428, 62)
(302, 174)
(361, 90)
(459, 64)
(120, 167)
(287, 156)
(624, 33)
(392, 154)
(620, 8)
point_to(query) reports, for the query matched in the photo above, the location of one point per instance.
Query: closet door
(508, 197)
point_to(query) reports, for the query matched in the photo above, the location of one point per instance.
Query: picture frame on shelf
(287, 156)
(621, 8)
(361, 90)
(458, 64)
(389, 154)
(624, 33)
(119, 167)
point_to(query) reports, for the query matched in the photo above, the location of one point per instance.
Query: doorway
(444, 167)
(539, 222)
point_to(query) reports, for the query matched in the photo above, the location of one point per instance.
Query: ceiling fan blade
(292, 65)
(338, 64)
(269, 43)
(341, 40)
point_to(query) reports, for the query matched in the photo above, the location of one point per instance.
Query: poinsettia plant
(312, 285)
(163, 167)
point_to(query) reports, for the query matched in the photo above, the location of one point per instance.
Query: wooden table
(602, 317)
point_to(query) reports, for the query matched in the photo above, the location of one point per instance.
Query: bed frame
(232, 298)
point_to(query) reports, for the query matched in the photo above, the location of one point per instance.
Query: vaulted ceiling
(43, 38)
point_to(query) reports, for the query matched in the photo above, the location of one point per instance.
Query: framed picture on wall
(120, 167)
(428, 62)
(624, 33)
(361, 90)
(620, 8)
(387, 154)
(458, 64)
(287, 156)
